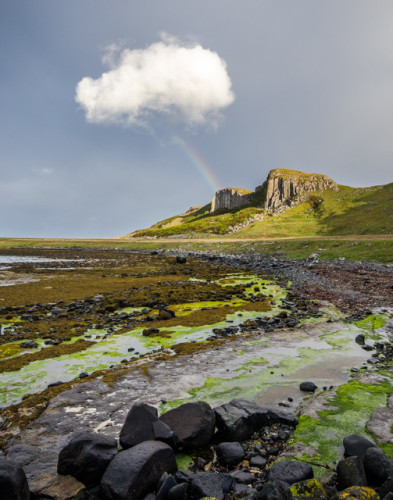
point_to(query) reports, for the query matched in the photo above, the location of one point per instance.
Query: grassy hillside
(343, 212)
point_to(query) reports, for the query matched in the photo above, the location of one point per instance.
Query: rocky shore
(238, 442)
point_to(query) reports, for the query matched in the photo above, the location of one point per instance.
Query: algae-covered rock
(357, 493)
(350, 472)
(310, 489)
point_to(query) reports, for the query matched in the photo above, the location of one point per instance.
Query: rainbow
(198, 163)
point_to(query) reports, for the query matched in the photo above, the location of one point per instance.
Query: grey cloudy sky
(116, 114)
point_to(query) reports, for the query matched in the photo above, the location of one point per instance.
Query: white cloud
(168, 77)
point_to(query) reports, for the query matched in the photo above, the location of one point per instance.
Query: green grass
(347, 211)
(329, 248)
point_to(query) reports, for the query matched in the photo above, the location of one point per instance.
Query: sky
(115, 114)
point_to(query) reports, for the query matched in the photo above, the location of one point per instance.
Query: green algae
(183, 460)
(276, 368)
(352, 406)
(371, 324)
(10, 350)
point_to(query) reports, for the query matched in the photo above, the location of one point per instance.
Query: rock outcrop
(229, 198)
(286, 188)
(283, 188)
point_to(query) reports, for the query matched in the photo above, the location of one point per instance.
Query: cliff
(229, 198)
(283, 188)
(286, 188)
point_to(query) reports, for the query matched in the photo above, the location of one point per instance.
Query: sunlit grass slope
(343, 212)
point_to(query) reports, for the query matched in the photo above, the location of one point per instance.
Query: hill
(288, 203)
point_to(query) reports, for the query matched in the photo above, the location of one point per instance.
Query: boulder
(239, 418)
(165, 487)
(86, 457)
(308, 387)
(350, 472)
(135, 472)
(179, 492)
(309, 489)
(357, 493)
(387, 487)
(357, 445)
(272, 490)
(142, 424)
(13, 482)
(290, 471)
(230, 453)
(192, 424)
(376, 466)
(210, 484)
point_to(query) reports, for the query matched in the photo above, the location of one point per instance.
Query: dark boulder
(272, 490)
(230, 453)
(350, 472)
(290, 471)
(387, 487)
(360, 339)
(308, 387)
(29, 344)
(86, 457)
(179, 492)
(135, 472)
(243, 477)
(181, 260)
(13, 482)
(210, 484)
(192, 424)
(258, 461)
(377, 466)
(357, 445)
(142, 424)
(239, 418)
(165, 487)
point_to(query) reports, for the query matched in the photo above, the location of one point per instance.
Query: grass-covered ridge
(348, 211)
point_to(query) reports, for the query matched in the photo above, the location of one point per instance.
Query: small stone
(258, 461)
(290, 471)
(308, 387)
(230, 453)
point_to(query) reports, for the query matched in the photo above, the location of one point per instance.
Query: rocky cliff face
(286, 188)
(283, 188)
(229, 198)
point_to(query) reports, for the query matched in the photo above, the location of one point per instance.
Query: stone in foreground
(350, 472)
(211, 485)
(13, 482)
(135, 472)
(142, 424)
(192, 424)
(230, 453)
(310, 489)
(290, 471)
(239, 418)
(357, 445)
(377, 466)
(357, 493)
(86, 457)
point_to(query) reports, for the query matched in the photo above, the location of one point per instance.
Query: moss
(353, 405)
